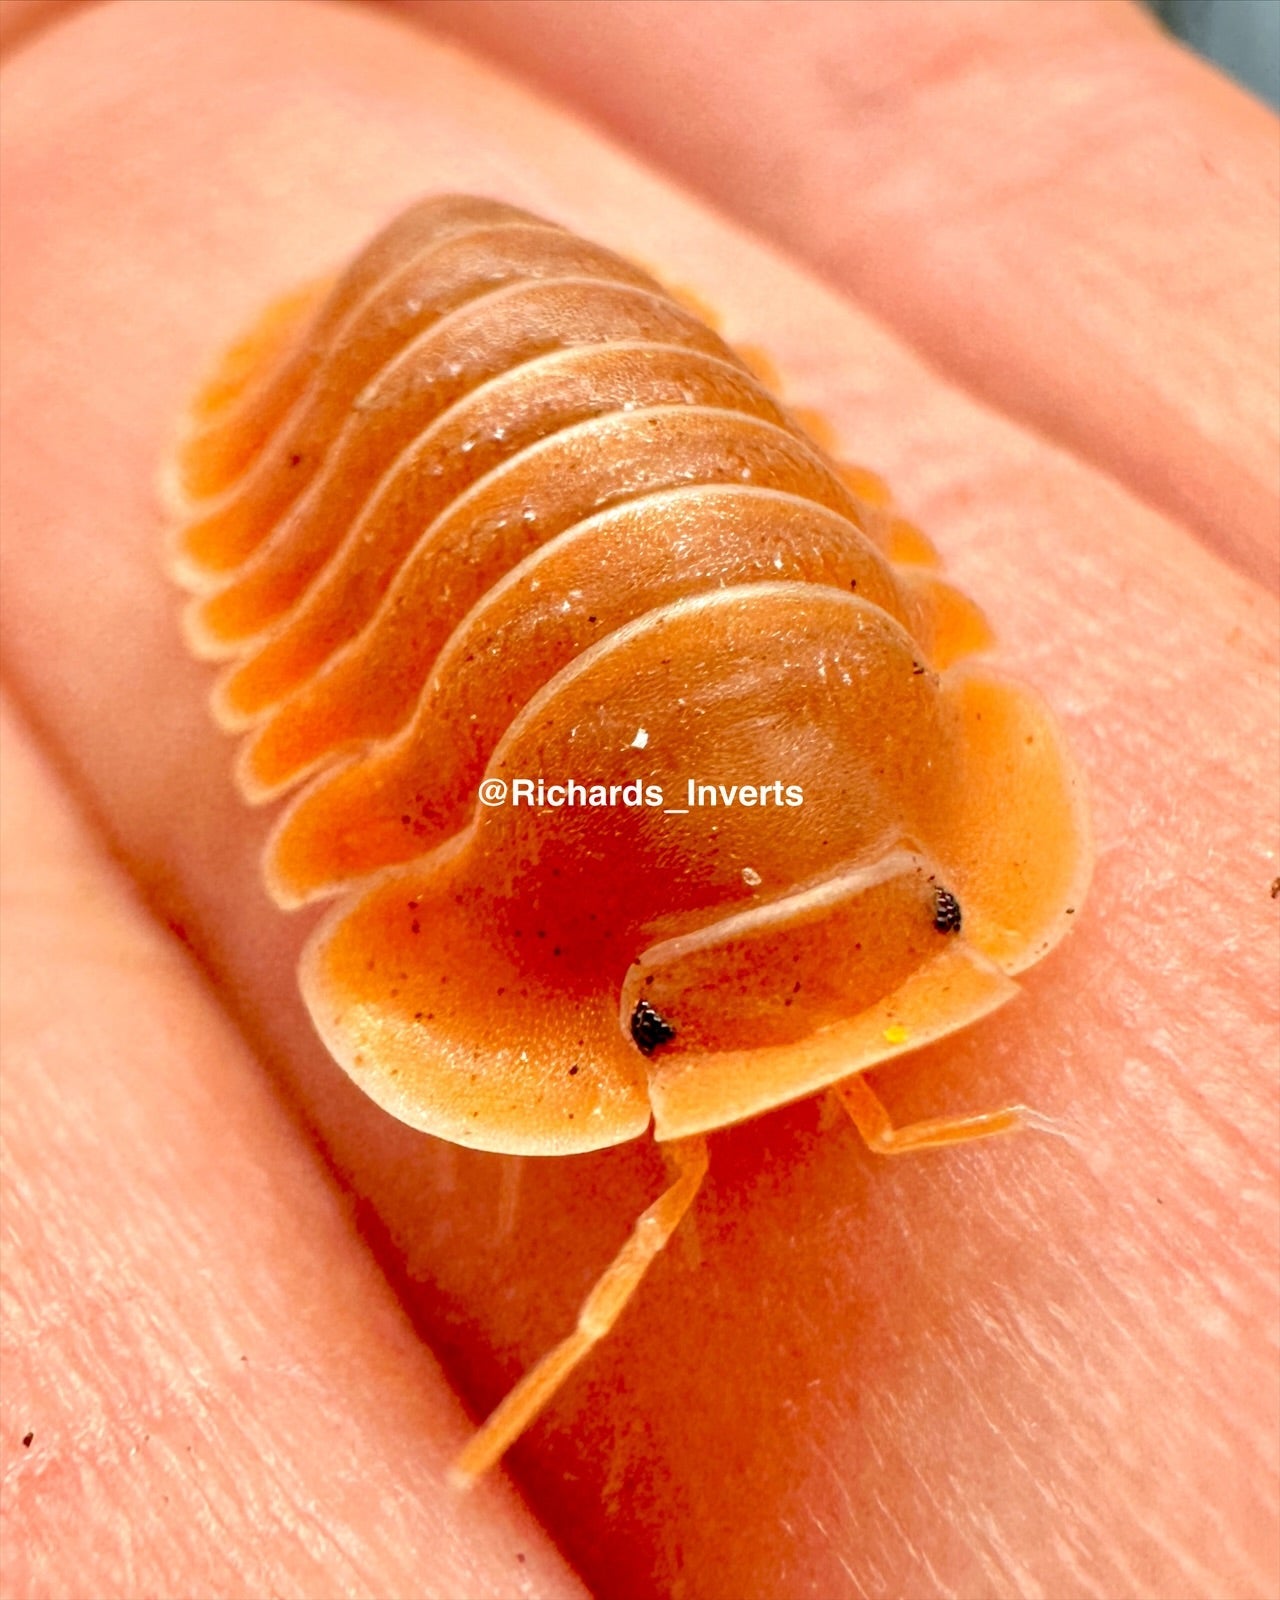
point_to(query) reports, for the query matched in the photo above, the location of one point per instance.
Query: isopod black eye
(946, 911)
(648, 1029)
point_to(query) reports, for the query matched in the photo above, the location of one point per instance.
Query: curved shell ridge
(380, 632)
(197, 551)
(437, 423)
(401, 378)
(428, 456)
(762, 532)
(381, 260)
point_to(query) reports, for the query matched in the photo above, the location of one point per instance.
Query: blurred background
(1241, 36)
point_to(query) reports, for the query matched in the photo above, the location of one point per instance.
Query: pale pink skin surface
(1043, 1366)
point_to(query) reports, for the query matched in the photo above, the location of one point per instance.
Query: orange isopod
(644, 751)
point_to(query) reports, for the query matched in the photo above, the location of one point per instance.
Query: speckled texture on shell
(494, 506)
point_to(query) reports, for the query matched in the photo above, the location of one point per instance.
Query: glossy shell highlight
(494, 506)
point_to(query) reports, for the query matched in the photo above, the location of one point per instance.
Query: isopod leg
(872, 1122)
(599, 1312)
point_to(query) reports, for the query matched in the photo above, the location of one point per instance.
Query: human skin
(1041, 1365)
(21, 19)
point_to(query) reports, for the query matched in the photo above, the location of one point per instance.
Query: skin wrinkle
(796, 1284)
(1175, 1322)
(161, 1415)
(1051, 1500)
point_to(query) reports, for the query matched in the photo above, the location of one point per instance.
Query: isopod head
(489, 992)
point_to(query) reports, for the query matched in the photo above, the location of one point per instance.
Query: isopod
(492, 508)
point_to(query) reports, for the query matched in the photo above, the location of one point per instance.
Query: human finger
(921, 1356)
